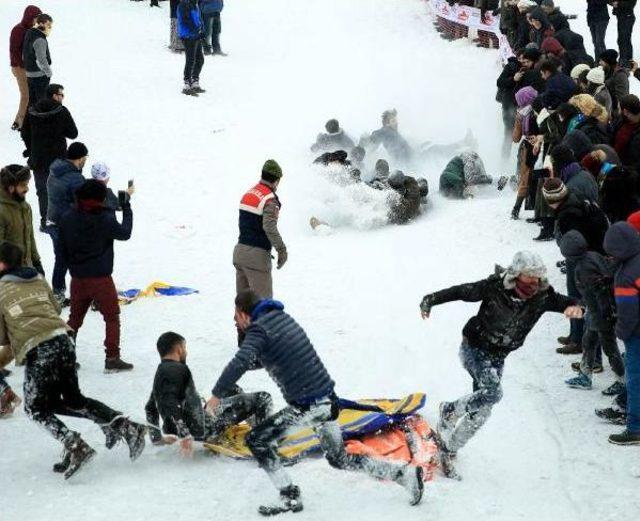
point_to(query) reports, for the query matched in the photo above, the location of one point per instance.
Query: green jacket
(16, 226)
(452, 181)
(29, 313)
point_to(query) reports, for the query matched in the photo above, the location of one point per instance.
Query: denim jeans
(60, 267)
(625, 47)
(632, 374)
(212, 29)
(576, 325)
(598, 32)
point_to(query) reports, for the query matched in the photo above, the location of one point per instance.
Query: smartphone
(130, 183)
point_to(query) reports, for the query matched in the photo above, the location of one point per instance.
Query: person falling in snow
(512, 301)
(275, 341)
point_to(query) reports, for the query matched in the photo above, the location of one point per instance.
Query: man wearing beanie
(577, 179)
(597, 88)
(101, 172)
(87, 232)
(334, 139)
(616, 77)
(45, 131)
(65, 177)
(258, 223)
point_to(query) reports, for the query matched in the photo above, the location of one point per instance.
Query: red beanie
(550, 44)
(592, 164)
(634, 220)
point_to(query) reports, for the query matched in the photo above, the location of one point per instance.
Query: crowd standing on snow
(578, 161)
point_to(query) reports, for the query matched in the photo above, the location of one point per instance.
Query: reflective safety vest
(251, 212)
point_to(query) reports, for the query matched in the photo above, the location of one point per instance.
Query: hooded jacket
(16, 40)
(64, 179)
(332, 141)
(503, 320)
(622, 242)
(87, 239)
(45, 131)
(16, 226)
(276, 342)
(558, 20)
(585, 217)
(580, 182)
(189, 20)
(594, 280)
(29, 313)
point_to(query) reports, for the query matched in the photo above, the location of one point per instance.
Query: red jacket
(17, 35)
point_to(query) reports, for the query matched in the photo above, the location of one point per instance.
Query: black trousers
(212, 30)
(51, 388)
(194, 60)
(37, 88)
(41, 176)
(625, 47)
(598, 32)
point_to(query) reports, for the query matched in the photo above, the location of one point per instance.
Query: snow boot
(625, 438)
(188, 90)
(502, 182)
(63, 465)
(582, 381)
(615, 388)
(612, 415)
(289, 502)
(116, 365)
(111, 436)
(133, 433)
(410, 478)
(515, 213)
(195, 86)
(9, 401)
(447, 420)
(570, 349)
(62, 299)
(79, 455)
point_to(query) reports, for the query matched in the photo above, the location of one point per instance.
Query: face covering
(526, 290)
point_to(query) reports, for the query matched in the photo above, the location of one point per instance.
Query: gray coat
(580, 182)
(276, 342)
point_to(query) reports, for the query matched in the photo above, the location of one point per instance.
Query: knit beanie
(91, 190)
(596, 75)
(575, 72)
(272, 168)
(592, 164)
(554, 190)
(551, 45)
(100, 171)
(77, 150)
(634, 220)
(332, 126)
(561, 156)
(610, 57)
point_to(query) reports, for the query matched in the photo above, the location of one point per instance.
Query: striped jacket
(622, 242)
(276, 342)
(259, 209)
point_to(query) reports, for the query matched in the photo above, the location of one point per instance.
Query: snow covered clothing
(29, 313)
(276, 342)
(64, 180)
(174, 399)
(16, 226)
(332, 141)
(470, 412)
(397, 146)
(504, 320)
(51, 389)
(102, 292)
(465, 169)
(406, 205)
(87, 238)
(585, 217)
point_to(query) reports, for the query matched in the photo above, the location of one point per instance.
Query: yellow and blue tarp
(155, 289)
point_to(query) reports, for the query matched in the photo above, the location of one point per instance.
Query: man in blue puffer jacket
(191, 31)
(211, 10)
(276, 342)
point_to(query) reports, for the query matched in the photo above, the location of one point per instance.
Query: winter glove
(426, 304)
(282, 258)
(38, 266)
(26, 152)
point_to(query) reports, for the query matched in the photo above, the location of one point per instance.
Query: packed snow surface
(292, 65)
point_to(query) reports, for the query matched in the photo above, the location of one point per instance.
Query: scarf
(525, 118)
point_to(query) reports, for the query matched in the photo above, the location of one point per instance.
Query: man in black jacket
(175, 399)
(36, 57)
(556, 17)
(273, 340)
(45, 131)
(87, 233)
(513, 300)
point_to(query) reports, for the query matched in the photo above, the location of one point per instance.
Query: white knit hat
(579, 69)
(596, 75)
(100, 171)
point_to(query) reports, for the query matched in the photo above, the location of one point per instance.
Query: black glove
(426, 304)
(38, 266)
(26, 152)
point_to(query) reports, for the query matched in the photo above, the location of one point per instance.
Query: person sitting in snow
(406, 205)
(462, 172)
(380, 179)
(512, 301)
(273, 340)
(174, 399)
(334, 139)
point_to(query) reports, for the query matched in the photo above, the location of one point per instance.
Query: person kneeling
(174, 398)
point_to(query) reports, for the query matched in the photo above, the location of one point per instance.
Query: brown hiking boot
(116, 365)
(570, 349)
(564, 340)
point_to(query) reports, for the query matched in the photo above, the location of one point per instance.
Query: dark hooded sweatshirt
(16, 40)
(622, 242)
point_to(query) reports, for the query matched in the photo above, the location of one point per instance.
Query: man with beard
(16, 222)
(512, 301)
(616, 77)
(626, 140)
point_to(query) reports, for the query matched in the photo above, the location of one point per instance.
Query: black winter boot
(546, 234)
(289, 502)
(515, 213)
(79, 453)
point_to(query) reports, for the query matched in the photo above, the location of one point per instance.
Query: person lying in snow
(464, 171)
(407, 205)
(276, 342)
(512, 301)
(334, 139)
(174, 398)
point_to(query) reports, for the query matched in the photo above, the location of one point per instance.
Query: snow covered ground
(291, 66)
